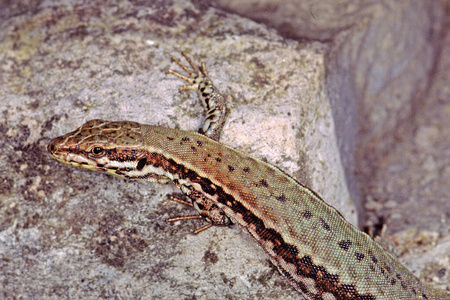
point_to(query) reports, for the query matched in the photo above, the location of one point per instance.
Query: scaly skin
(322, 255)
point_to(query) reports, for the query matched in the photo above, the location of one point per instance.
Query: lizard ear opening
(141, 164)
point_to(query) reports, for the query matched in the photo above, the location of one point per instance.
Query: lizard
(310, 242)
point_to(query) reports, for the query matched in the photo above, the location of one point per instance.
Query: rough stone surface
(72, 233)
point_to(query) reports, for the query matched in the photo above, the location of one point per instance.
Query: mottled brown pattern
(326, 283)
(258, 198)
(309, 241)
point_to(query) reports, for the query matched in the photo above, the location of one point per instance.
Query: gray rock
(72, 233)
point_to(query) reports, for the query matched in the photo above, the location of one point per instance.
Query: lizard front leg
(213, 101)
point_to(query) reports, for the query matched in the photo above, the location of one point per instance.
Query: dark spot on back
(246, 169)
(359, 256)
(345, 244)
(325, 224)
(218, 159)
(281, 198)
(307, 214)
(230, 168)
(374, 259)
(264, 183)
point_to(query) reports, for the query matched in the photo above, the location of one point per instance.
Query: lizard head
(101, 145)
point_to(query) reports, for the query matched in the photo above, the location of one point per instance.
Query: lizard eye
(97, 150)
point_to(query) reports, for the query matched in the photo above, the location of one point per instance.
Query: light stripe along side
(305, 237)
(324, 256)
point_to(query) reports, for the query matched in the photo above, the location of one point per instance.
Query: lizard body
(323, 255)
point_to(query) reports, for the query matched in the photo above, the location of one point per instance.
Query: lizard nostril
(51, 147)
